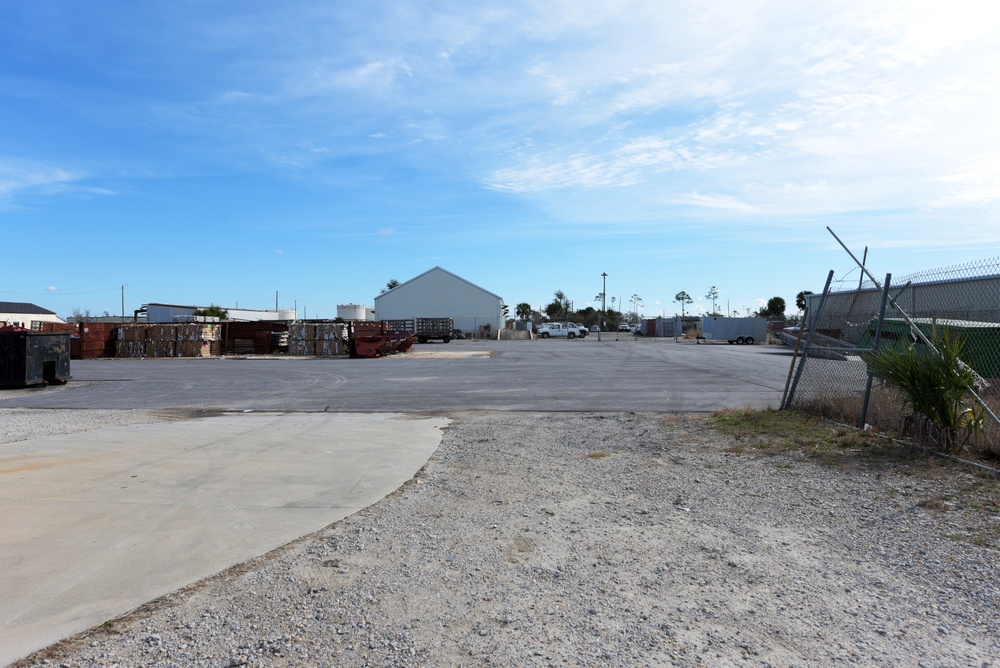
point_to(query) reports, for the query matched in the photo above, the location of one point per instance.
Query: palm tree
(713, 294)
(683, 298)
(800, 300)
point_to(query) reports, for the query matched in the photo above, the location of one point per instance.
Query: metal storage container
(33, 358)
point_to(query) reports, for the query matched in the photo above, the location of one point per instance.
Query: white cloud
(52, 288)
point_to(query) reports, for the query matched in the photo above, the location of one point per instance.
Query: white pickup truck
(568, 330)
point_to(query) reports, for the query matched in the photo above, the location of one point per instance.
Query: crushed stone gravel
(613, 539)
(22, 424)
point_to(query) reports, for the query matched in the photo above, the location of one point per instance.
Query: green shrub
(934, 385)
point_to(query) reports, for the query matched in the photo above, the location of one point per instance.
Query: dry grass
(776, 432)
(972, 494)
(885, 413)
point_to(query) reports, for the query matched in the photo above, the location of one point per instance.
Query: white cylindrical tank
(353, 311)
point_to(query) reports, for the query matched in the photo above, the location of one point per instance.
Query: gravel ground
(605, 540)
(22, 424)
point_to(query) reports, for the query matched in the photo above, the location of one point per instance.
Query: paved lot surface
(550, 375)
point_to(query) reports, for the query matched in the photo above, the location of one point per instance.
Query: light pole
(604, 303)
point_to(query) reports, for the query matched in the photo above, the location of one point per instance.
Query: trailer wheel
(570, 335)
(446, 339)
(422, 339)
(740, 340)
(544, 335)
(749, 341)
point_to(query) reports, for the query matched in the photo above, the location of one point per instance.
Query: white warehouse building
(438, 293)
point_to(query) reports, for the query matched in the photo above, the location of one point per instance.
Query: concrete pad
(95, 524)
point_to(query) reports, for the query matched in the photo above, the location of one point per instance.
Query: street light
(604, 303)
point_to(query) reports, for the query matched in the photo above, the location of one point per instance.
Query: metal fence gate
(856, 312)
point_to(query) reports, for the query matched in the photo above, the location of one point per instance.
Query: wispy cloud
(839, 109)
(607, 132)
(19, 176)
(719, 202)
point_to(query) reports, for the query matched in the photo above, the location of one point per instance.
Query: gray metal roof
(24, 307)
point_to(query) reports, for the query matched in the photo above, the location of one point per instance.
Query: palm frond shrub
(934, 386)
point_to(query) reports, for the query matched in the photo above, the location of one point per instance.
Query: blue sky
(217, 152)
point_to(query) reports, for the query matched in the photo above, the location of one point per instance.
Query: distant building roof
(443, 271)
(24, 307)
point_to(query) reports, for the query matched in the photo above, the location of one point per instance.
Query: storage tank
(355, 312)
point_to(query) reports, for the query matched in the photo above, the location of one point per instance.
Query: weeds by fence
(832, 378)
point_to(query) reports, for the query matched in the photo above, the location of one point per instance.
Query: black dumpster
(33, 358)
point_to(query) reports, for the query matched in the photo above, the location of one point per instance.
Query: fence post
(863, 420)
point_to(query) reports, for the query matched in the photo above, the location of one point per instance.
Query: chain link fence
(830, 377)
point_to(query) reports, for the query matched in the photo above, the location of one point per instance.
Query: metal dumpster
(33, 358)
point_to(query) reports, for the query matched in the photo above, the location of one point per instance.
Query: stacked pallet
(195, 339)
(249, 337)
(131, 341)
(211, 340)
(161, 340)
(167, 340)
(322, 338)
(89, 340)
(98, 339)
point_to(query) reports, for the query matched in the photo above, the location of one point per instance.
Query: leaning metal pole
(914, 328)
(790, 395)
(863, 420)
(795, 352)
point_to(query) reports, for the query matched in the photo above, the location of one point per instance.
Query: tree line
(561, 308)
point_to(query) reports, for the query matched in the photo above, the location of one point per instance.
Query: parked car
(623, 327)
(583, 331)
(595, 328)
(554, 329)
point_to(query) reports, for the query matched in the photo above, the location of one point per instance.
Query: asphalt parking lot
(549, 375)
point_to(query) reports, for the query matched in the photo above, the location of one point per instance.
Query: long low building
(171, 312)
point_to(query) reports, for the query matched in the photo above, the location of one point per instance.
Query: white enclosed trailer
(734, 330)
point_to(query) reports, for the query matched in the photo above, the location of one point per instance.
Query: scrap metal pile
(377, 339)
